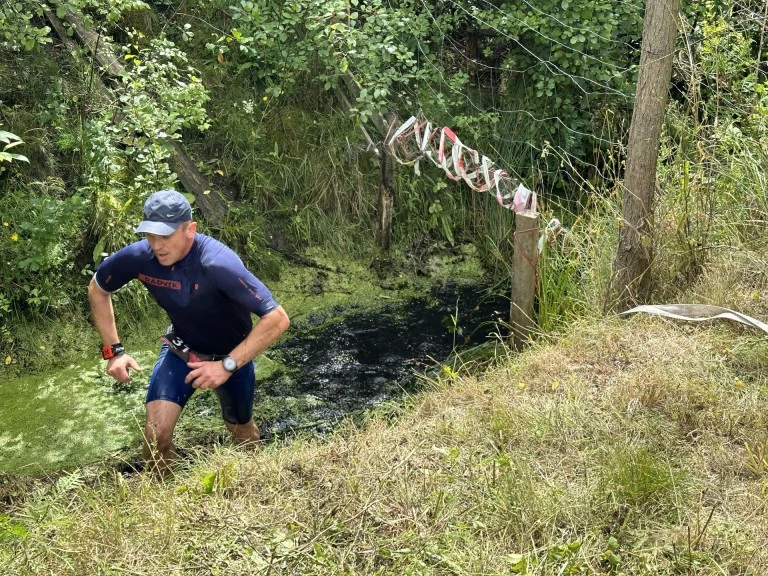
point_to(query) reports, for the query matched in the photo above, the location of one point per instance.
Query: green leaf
(448, 232)
(209, 482)
(7, 136)
(10, 529)
(13, 144)
(613, 544)
(7, 157)
(98, 250)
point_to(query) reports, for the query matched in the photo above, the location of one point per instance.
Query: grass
(626, 447)
(633, 446)
(615, 446)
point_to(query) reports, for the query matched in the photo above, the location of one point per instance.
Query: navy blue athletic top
(209, 295)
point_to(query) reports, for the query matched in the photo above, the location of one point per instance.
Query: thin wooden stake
(524, 260)
(386, 199)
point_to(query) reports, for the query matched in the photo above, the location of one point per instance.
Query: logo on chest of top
(160, 282)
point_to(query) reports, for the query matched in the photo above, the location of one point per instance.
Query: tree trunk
(212, 206)
(631, 282)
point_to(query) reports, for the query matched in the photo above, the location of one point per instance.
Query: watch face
(230, 363)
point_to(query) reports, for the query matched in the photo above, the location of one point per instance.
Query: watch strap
(112, 350)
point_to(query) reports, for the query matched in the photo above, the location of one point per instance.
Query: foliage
(11, 141)
(713, 155)
(405, 58)
(119, 153)
(109, 12)
(554, 456)
(429, 208)
(252, 89)
(575, 60)
(561, 291)
(550, 462)
(159, 95)
(126, 150)
(278, 47)
(31, 242)
(160, 92)
(399, 56)
(40, 241)
(18, 30)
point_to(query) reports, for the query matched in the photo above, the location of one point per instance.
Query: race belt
(179, 348)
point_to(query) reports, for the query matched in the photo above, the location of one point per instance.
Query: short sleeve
(119, 268)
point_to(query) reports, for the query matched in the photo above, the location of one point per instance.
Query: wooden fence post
(524, 260)
(386, 195)
(386, 198)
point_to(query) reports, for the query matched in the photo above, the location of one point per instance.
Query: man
(209, 297)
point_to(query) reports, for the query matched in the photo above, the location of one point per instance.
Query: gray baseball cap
(163, 212)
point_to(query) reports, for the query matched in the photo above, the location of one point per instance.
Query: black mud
(344, 361)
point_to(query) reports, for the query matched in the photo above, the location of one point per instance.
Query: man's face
(170, 249)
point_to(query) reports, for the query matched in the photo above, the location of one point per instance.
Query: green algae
(73, 416)
(308, 290)
(69, 415)
(79, 415)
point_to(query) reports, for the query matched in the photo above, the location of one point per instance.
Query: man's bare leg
(247, 434)
(159, 450)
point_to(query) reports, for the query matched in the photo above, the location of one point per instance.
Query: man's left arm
(266, 331)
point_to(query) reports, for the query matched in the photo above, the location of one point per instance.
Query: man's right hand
(118, 366)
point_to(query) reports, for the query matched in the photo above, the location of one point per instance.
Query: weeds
(757, 457)
(478, 475)
(579, 456)
(591, 476)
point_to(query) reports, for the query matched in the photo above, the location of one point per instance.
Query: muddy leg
(159, 450)
(245, 434)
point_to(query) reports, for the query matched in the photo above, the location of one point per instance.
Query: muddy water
(345, 361)
(341, 362)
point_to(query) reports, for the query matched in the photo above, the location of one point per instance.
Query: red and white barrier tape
(416, 139)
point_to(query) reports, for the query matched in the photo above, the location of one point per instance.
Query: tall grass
(621, 450)
(306, 178)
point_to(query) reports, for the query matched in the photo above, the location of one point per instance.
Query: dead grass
(627, 446)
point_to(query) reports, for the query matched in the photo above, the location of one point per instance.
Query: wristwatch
(230, 364)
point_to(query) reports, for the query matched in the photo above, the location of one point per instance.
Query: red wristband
(112, 350)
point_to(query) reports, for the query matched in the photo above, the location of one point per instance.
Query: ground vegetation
(610, 446)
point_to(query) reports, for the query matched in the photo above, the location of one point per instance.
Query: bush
(40, 244)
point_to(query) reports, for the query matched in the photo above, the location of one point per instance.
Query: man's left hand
(207, 374)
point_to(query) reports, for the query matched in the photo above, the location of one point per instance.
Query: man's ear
(192, 228)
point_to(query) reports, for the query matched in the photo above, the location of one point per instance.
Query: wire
(551, 66)
(546, 119)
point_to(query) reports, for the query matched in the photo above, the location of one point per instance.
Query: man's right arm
(104, 319)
